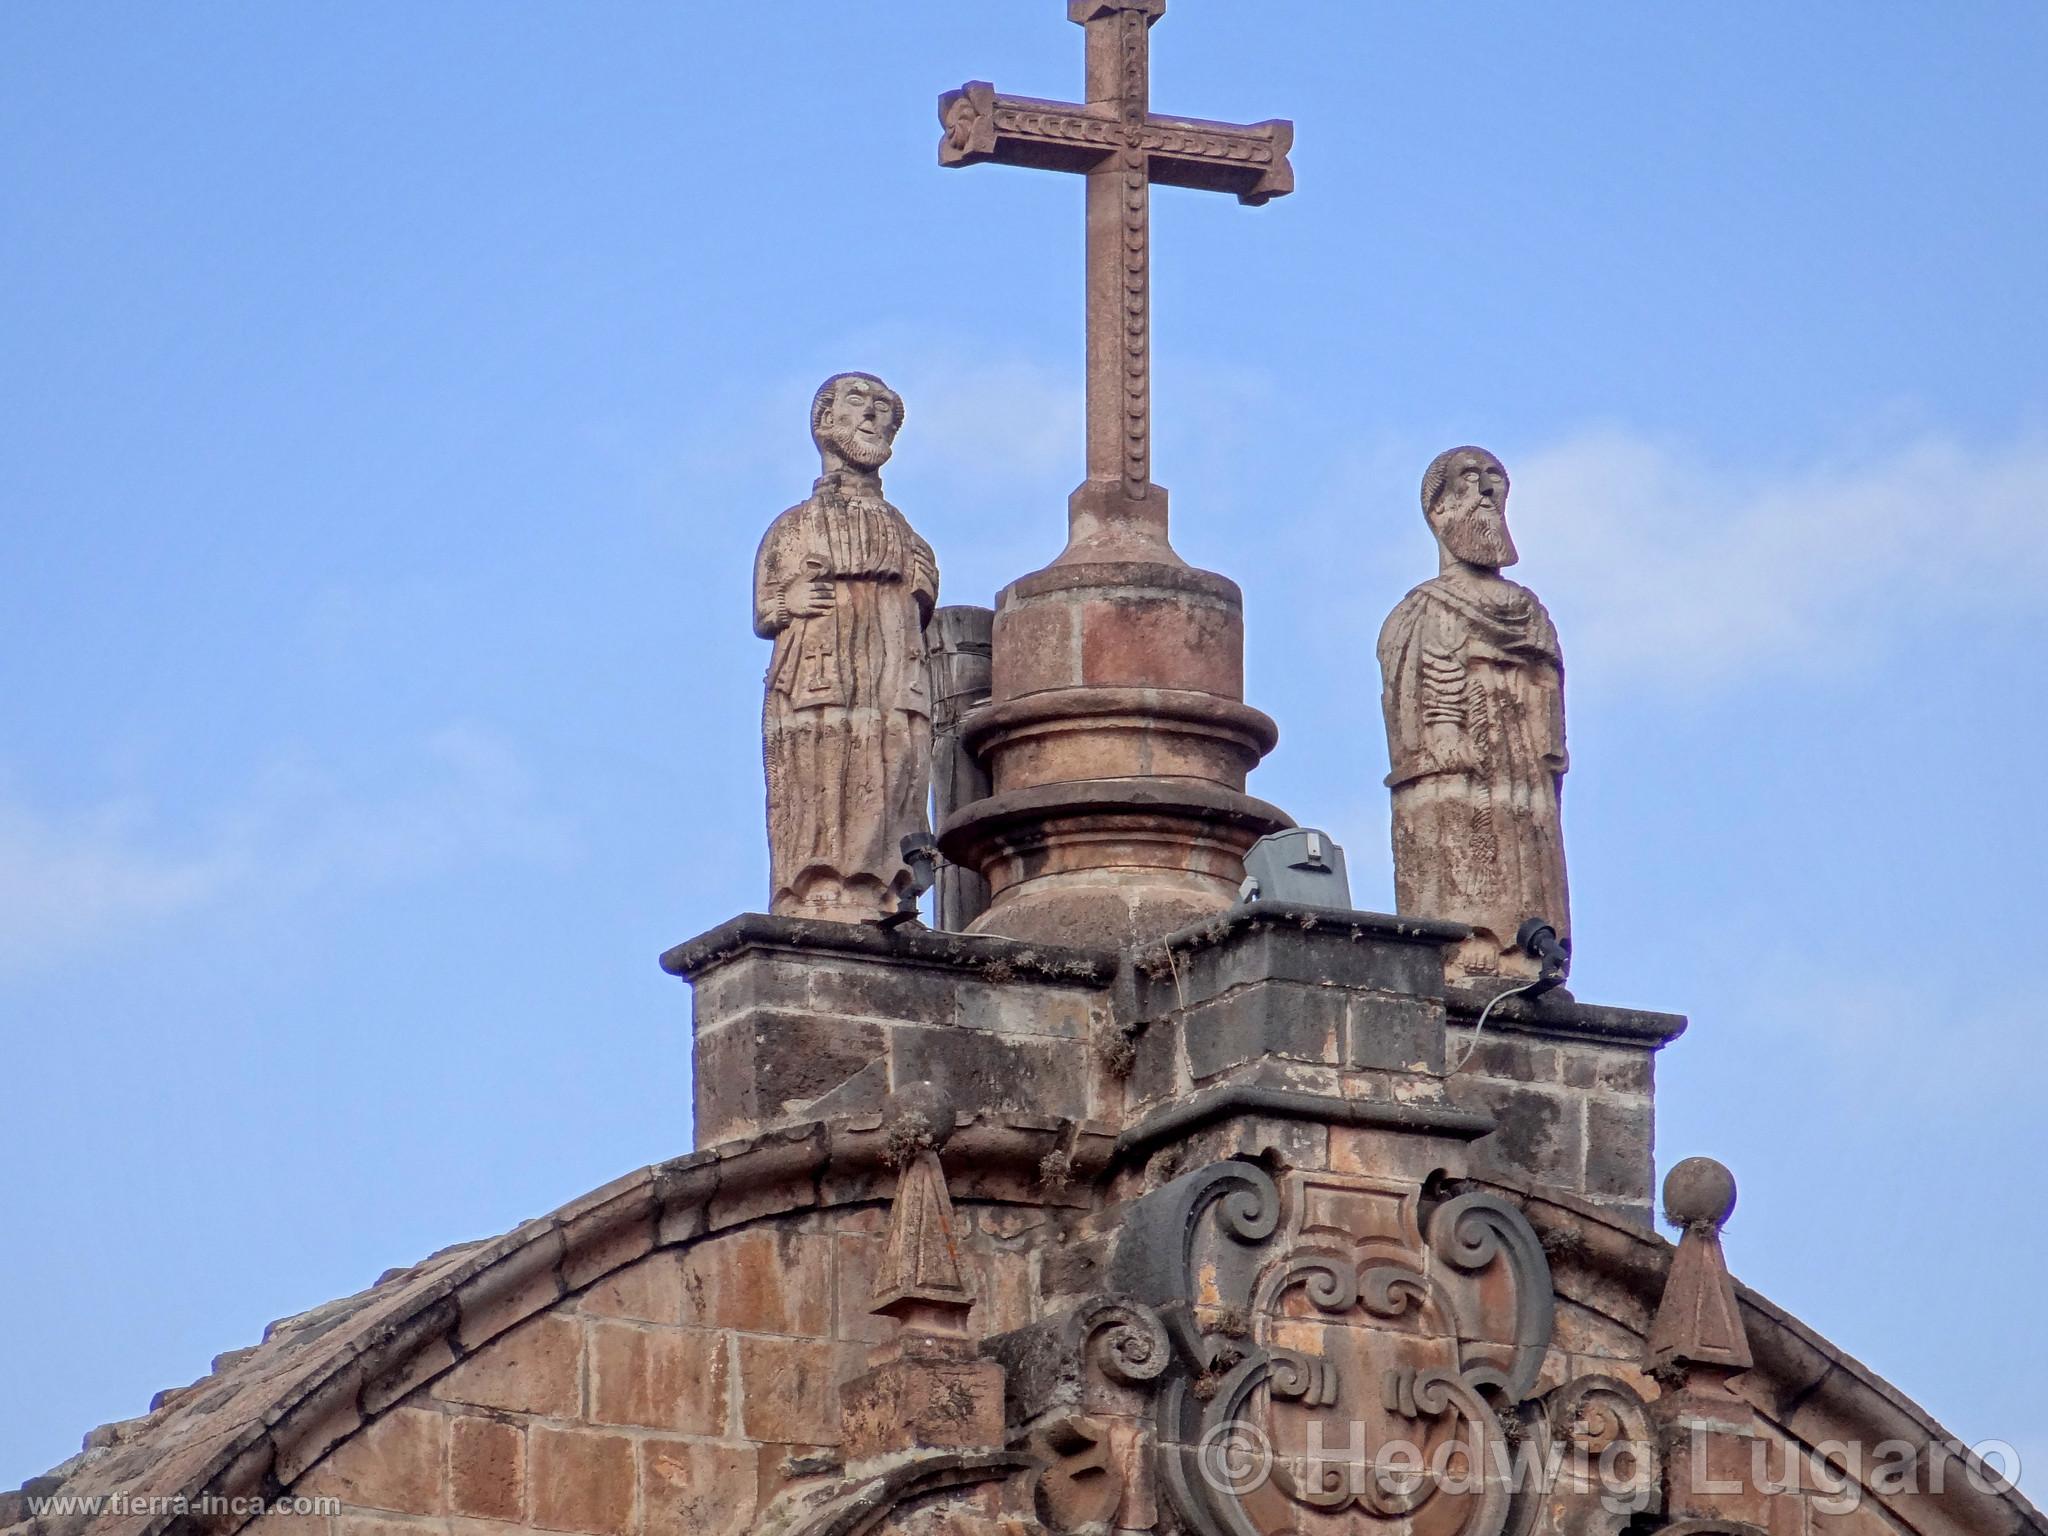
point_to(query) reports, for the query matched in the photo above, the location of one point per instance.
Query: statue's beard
(858, 454)
(1478, 535)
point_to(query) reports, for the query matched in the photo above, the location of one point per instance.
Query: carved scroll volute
(1189, 1249)
(1602, 1464)
(1078, 1393)
(1507, 1310)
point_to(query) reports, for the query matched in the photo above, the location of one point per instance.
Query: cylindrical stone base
(1117, 743)
(1103, 862)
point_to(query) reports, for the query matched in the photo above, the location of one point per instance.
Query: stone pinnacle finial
(923, 1280)
(1698, 1323)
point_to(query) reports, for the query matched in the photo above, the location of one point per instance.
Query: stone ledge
(1209, 1105)
(1247, 916)
(912, 944)
(1560, 1016)
(1023, 808)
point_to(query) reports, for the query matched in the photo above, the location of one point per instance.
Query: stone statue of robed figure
(845, 587)
(1473, 690)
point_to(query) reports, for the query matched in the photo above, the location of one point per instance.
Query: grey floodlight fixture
(1300, 867)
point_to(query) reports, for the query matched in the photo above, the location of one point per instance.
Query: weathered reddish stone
(396, 1462)
(486, 1468)
(650, 1291)
(691, 1489)
(762, 1281)
(582, 1480)
(534, 1368)
(1148, 638)
(789, 1389)
(1037, 649)
(658, 1378)
(859, 1264)
(923, 1403)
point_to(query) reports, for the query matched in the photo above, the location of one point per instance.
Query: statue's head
(1465, 498)
(855, 416)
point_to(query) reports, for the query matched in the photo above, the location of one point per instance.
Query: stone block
(722, 1084)
(1513, 1059)
(1007, 1296)
(582, 1480)
(1383, 1153)
(789, 1390)
(1541, 1137)
(658, 1378)
(1035, 647)
(750, 979)
(762, 1281)
(859, 1261)
(650, 1291)
(535, 1368)
(764, 1066)
(915, 1403)
(1046, 1077)
(486, 1468)
(1017, 1008)
(1312, 948)
(691, 1489)
(1269, 1019)
(798, 1059)
(1394, 1034)
(396, 1462)
(1618, 1149)
(1289, 1142)
(1612, 1069)
(1155, 1061)
(868, 989)
(1143, 638)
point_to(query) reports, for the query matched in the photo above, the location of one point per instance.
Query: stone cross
(1122, 147)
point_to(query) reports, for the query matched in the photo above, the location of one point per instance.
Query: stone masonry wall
(1572, 1088)
(673, 1398)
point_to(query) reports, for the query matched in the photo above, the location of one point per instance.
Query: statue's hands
(1449, 750)
(808, 596)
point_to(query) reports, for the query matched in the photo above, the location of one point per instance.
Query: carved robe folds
(1473, 690)
(846, 724)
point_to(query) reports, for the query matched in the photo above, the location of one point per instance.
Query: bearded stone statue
(845, 587)
(1473, 691)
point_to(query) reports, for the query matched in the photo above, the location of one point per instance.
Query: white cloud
(66, 881)
(997, 417)
(1656, 564)
(71, 882)
(1871, 1026)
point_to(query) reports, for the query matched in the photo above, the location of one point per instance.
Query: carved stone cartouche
(1472, 684)
(845, 587)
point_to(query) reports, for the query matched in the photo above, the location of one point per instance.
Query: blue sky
(395, 395)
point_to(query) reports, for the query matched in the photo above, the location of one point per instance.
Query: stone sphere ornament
(1699, 1192)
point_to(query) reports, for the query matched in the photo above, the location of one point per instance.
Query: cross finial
(1122, 147)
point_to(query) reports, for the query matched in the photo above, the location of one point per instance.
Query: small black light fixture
(1538, 939)
(921, 857)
